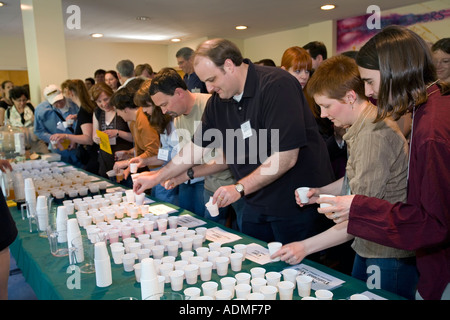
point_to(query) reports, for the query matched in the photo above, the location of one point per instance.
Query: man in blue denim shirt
(50, 118)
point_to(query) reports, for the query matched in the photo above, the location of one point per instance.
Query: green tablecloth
(49, 275)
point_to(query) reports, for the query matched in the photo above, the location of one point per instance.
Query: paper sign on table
(321, 280)
(372, 295)
(217, 234)
(258, 254)
(159, 209)
(188, 221)
(104, 142)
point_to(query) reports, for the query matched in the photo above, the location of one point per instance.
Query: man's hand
(146, 180)
(226, 195)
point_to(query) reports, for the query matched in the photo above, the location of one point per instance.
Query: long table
(50, 277)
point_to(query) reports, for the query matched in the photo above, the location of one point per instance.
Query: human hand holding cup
(306, 195)
(335, 208)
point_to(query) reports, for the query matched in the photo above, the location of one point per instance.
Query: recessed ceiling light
(143, 18)
(328, 7)
(175, 40)
(2, 4)
(241, 27)
(97, 35)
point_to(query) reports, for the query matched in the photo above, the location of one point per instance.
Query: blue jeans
(225, 211)
(399, 276)
(162, 194)
(190, 197)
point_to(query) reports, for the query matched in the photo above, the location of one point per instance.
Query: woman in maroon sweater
(397, 68)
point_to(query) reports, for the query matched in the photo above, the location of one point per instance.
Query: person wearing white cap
(51, 116)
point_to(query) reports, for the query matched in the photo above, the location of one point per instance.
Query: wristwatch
(190, 173)
(239, 188)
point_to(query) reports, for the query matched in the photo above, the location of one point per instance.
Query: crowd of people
(367, 130)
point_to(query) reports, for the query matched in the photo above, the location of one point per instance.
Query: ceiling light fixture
(97, 35)
(175, 40)
(241, 27)
(2, 4)
(328, 7)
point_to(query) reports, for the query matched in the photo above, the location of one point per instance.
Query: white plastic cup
(201, 231)
(197, 241)
(143, 253)
(139, 198)
(241, 248)
(214, 246)
(176, 279)
(212, 256)
(359, 296)
(173, 222)
(191, 272)
(274, 247)
(129, 194)
(223, 294)
(257, 283)
(186, 244)
(222, 265)
(165, 269)
(128, 261)
(228, 283)
(192, 293)
(172, 248)
(162, 224)
(257, 272)
(242, 290)
(290, 274)
(205, 270)
(236, 261)
(186, 255)
(304, 283)
(117, 254)
(209, 288)
(202, 252)
(255, 296)
(273, 278)
(243, 277)
(286, 290)
(137, 271)
(158, 251)
(324, 205)
(302, 191)
(225, 251)
(133, 167)
(269, 292)
(323, 294)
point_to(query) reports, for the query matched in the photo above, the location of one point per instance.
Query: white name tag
(246, 130)
(163, 154)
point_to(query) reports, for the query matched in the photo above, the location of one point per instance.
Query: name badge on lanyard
(246, 130)
(163, 154)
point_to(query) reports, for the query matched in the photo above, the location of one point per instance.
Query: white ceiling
(192, 19)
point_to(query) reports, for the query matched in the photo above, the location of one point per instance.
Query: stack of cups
(61, 224)
(149, 280)
(30, 197)
(75, 242)
(41, 212)
(102, 261)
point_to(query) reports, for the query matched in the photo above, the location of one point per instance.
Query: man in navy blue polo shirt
(270, 140)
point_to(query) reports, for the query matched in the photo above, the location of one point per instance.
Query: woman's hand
(291, 253)
(339, 209)
(5, 165)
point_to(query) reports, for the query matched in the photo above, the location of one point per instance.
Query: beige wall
(84, 57)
